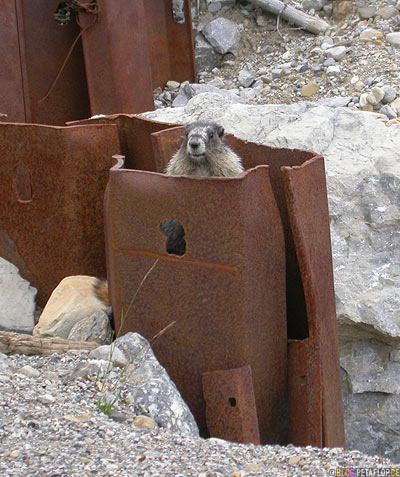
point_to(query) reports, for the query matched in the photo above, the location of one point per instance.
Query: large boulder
(363, 178)
(17, 300)
(74, 311)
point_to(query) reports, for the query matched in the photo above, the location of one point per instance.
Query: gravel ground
(50, 425)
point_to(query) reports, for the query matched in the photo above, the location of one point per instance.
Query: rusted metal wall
(51, 195)
(227, 293)
(34, 48)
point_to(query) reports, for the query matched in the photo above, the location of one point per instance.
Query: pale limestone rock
(17, 300)
(71, 301)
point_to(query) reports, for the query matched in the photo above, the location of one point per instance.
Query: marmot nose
(194, 144)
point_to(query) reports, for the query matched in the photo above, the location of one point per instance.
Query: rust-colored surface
(227, 292)
(11, 85)
(306, 197)
(33, 47)
(133, 47)
(230, 405)
(52, 186)
(135, 138)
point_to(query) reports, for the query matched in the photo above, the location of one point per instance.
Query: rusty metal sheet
(306, 196)
(135, 138)
(231, 406)
(38, 32)
(227, 292)
(52, 185)
(131, 49)
(11, 85)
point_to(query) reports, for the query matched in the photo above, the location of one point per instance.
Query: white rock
(17, 300)
(337, 52)
(394, 39)
(29, 372)
(396, 105)
(375, 96)
(333, 70)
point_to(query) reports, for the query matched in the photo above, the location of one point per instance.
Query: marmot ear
(220, 131)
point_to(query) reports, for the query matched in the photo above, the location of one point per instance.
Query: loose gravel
(50, 425)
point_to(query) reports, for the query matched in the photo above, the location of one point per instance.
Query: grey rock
(4, 363)
(276, 73)
(206, 56)
(246, 77)
(366, 12)
(152, 389)
(178, 10)
(333, 70)
(337, 52)
(387, 12)
(375, 96)
(109, 353)
(328, 9)
(188, 91)
(396, 105)
(390, 94)
(216, 5)
(388, 111)
(171, 85)
(46, 399)
(29, 372)
(312, 5)
(329, 62)
(217, 82)
(95, 327)
(17, 300)
(394, 39)
(337, 102)
(223, 35)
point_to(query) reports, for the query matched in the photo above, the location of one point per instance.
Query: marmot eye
(211, 134)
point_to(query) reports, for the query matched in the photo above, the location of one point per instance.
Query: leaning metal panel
(52, 186)
(226, 293)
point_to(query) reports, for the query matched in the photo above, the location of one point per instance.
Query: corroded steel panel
(135, 138)
(231, 406)
(11, 85)
(43, 48)
(133, 47)
(306, 196)
(51, 195)
(226, 293)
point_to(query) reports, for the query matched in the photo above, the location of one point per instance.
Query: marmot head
(201, 137)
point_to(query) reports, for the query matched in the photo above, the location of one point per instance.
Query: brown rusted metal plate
(135, 138)
(227, 292)
(171, 43)
(306, 197)
(38, 32)
(230, 405)
(11, 85)
(52, 186)
(134, 47)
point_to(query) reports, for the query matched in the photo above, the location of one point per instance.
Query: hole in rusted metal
(22, 184)
(232, 402)
(175, 233)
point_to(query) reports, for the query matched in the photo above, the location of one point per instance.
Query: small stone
(375, 96)
(396, 105)
(395, 355)
(47, 399)
(364, 99)
(327, 43)
(172, 85)
(253, 468)
(246, 77)
(388, 111)
(390, 94)
(312, 4)
(359, 86)
(295, 460)
(276, 73)
(354, 80)
(342, 9)
(337, 52)
(370, 34)
(389, 11)
(394, 39)
(29, 372)
(144, 422)
(309, 89)
(329, 62)
(333, 70)
(368, 107)
(366, 12)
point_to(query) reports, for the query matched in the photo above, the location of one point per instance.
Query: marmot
(203, 152)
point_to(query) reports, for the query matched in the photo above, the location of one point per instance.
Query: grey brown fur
(203, 152)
